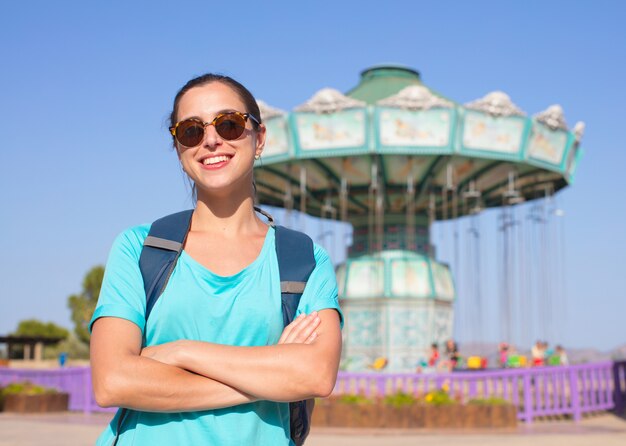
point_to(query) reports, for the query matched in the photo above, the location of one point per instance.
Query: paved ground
(81, 430)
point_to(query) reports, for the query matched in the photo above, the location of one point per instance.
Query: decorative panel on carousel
(277, 138)
(423, 131)
(444, 287)
(407, 325)
(494, 137)
(329, 133)
(410, 278)
(442, 323)
(364, 326)
(547, 146)
(366, 278)
(573, 154)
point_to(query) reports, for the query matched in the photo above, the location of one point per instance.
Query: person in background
(434, 355)
(503, 351)
(560, 352)
(537, 354)
(452, 354)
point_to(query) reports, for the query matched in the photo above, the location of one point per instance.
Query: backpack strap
(160, 252)
(296, 262)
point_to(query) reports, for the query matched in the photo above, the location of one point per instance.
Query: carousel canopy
(393, 143)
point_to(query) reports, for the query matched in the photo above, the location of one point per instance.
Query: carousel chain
(303, 189)
(431, 219)
(410, 213)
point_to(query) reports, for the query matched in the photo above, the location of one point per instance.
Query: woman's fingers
(301, 329)
(289, 328)
(311, 338)
(304, 329)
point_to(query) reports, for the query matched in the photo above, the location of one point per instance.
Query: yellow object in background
(474, 362)
(379, 363)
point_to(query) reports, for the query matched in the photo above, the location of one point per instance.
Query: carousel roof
(393, 137)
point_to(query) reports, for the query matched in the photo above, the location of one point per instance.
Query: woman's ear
(260, 140)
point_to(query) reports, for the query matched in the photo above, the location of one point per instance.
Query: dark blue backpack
(296, 262)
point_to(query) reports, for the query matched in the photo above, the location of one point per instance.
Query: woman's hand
(165, 353)
(301, 330)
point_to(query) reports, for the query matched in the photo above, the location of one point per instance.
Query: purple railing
(619, 384)
(536, 392)
(74, 380)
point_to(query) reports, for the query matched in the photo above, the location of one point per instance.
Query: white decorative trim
(579, 130)
(329, 100)
(496, 103)
(269, 112)
(552, 117)
(415, 97)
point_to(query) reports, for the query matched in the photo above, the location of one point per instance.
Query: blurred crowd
(507, 357)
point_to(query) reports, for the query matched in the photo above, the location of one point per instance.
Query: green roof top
(382, 81)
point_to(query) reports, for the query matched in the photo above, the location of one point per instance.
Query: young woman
(213, 365)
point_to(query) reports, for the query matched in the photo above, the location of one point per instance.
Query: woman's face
(218, 166)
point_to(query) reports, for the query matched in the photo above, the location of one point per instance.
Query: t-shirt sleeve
(122, 294)
(321, 291)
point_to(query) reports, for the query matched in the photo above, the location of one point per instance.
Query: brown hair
(244, 94)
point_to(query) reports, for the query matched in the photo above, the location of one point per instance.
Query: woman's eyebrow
(198, 118)
(219, 112)
(226, 110)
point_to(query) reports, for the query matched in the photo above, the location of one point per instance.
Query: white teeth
(215, 160)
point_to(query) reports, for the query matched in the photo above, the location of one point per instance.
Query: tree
(34, 327)
(84, 304)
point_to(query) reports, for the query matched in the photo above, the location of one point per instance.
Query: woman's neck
(226, 216)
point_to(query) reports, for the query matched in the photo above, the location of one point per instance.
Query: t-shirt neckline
(269, 237)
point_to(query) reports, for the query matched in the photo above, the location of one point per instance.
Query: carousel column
(371, 199)
(411, 244)
(431, 220)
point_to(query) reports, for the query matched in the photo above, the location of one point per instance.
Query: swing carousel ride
(392, 157)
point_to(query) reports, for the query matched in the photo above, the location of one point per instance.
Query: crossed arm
(192, 375)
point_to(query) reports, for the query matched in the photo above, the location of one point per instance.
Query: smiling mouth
(213, 160)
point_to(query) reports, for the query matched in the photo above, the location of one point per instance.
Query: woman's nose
(211, 137)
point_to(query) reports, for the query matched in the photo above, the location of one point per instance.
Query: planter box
(333, 412)
(47, 402)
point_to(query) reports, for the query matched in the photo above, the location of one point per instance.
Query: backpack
(296, 262)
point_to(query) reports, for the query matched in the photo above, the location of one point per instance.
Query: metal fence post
(528, 397)
(618, 392)
(574, 394)
(381, 382)
(87, 399)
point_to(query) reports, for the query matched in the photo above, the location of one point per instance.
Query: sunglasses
(229, 126)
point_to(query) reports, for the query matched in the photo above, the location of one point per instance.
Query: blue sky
(86, 88)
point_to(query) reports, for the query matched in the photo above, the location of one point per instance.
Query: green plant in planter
(400, 399)
(25, 388)
(491, 401)
(439, 398)
(354, 399)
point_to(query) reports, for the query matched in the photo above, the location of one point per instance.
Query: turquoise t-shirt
(243, 309)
